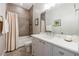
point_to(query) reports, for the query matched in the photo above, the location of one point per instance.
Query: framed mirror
(63, 17)
(1, 23)
(42, 22)
(36, 21)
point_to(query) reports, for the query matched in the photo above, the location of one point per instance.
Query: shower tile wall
(23, 18)
(31, 21)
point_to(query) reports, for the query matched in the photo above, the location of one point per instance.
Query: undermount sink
(74, 39)
(68, 38)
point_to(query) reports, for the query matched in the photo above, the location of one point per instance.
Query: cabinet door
(48, 49)
(45, 49)
(41, 48)
(35, 45)
(61, 52)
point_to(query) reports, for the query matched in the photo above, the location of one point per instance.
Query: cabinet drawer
(61, 52)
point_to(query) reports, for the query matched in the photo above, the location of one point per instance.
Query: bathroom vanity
(44, 44)
(61, 19)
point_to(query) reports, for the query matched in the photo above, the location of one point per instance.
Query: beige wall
(2, 38)
(37, 10)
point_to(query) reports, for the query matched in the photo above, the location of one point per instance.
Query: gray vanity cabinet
(41, 48)
(61, 52)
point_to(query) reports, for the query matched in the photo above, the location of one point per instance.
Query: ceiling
(37, 5)
(25, 5)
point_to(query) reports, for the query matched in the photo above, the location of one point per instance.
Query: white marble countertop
(59, 41)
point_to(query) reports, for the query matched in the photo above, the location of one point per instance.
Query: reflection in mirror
(43, 22)
(68, 18)
(1, 24)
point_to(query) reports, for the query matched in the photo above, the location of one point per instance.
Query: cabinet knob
(43, 42)
(75, 54)
(40, 41)
(62, 53)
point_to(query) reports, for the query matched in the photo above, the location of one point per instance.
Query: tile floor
(21, 51)
(21, 47)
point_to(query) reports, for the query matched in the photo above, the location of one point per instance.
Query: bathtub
(23, 40)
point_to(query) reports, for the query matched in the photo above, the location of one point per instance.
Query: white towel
(5, 27)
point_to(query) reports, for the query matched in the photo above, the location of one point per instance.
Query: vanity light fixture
(75, 7)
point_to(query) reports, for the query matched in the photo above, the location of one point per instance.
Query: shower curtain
(11, 35)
